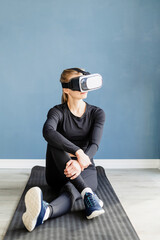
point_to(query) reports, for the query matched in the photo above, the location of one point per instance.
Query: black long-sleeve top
(65, 131)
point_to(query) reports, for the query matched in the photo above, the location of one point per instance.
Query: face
(75, 94)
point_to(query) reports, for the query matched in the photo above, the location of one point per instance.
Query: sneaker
(35, 208)
(99, 200)
(93, 208)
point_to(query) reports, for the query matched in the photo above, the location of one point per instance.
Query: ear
(66, 90)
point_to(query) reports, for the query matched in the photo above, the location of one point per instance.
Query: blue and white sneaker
(99, 200)
(92, 204)
(35, 208)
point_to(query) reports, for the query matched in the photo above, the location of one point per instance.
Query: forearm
(57, 140)
(91, 150)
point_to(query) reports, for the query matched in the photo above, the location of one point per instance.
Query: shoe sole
(33, 208)
(96, 214)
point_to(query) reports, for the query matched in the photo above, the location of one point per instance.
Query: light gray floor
(138, 191)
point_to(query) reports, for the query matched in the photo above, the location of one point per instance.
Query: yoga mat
(114, 224)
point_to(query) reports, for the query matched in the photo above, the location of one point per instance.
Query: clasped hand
(73, 169)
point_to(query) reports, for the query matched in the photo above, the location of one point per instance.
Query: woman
(73, 131)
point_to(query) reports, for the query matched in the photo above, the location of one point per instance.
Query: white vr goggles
(86, 82)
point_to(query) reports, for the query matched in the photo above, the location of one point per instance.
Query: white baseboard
(128, 163)
(106, 163)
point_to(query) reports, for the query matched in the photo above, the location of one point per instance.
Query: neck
(75, 104)
(77, 107)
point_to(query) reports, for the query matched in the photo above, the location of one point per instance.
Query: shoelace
(90, 201)
(45, 204)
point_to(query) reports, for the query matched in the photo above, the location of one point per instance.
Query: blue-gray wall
(118, 38)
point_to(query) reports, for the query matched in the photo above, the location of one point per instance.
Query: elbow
(44, 132)
(47, 132)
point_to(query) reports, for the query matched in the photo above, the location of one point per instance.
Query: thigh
(60, 158)
(55, 168)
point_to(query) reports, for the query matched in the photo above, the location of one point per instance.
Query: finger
(69, 166)
(74, 176)
(69, 170)
(68, 175)
(68, 163)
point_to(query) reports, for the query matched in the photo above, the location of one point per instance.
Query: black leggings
(69, 190)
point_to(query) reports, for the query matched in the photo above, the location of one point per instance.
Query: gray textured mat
(113, 225)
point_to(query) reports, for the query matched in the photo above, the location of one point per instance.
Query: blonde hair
(66, 76)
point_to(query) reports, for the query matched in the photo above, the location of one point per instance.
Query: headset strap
(80, 70)
(66, 85)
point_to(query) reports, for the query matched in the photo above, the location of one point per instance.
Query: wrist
(78, 152)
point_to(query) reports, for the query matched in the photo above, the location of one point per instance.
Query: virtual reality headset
(86, 82)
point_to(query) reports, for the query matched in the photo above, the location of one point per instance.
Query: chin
(83, 96)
